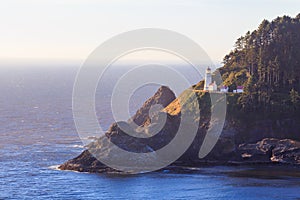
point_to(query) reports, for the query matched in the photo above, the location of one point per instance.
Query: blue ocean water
(38, 133)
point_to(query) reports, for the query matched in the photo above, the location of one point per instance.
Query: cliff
(265, 142)
(262, 124)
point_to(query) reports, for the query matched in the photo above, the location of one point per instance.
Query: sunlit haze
(69, 30)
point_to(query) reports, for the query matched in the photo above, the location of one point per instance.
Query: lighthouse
(208, 79)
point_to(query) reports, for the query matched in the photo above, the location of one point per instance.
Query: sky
(71, 29)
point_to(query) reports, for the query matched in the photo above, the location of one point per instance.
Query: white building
(240, 89)
(208, 79)
(213, 87)
(224, 89)
(209, 85)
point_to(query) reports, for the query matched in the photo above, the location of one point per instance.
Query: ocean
(38, 133)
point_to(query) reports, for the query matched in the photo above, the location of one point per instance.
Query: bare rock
(271, 150)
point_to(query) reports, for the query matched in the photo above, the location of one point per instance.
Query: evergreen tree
(266, 62)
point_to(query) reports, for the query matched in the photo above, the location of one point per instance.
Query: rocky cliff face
(237, 144)
(116, 135)
(164, 96)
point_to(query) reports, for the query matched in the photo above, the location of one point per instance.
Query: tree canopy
(267, 62)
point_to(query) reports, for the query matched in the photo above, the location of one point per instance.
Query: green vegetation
(267, 63)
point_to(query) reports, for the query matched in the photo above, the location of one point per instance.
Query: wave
(90, 138)
(54, 167)
(77, 146)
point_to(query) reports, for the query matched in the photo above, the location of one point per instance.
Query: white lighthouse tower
(208, 79)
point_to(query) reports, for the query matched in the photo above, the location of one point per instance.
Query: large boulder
(271, 150)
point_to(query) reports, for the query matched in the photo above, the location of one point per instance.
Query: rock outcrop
(271, 150)
(143, 122)
(228, 149)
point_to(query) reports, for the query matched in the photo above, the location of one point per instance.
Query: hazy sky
(71, 29)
